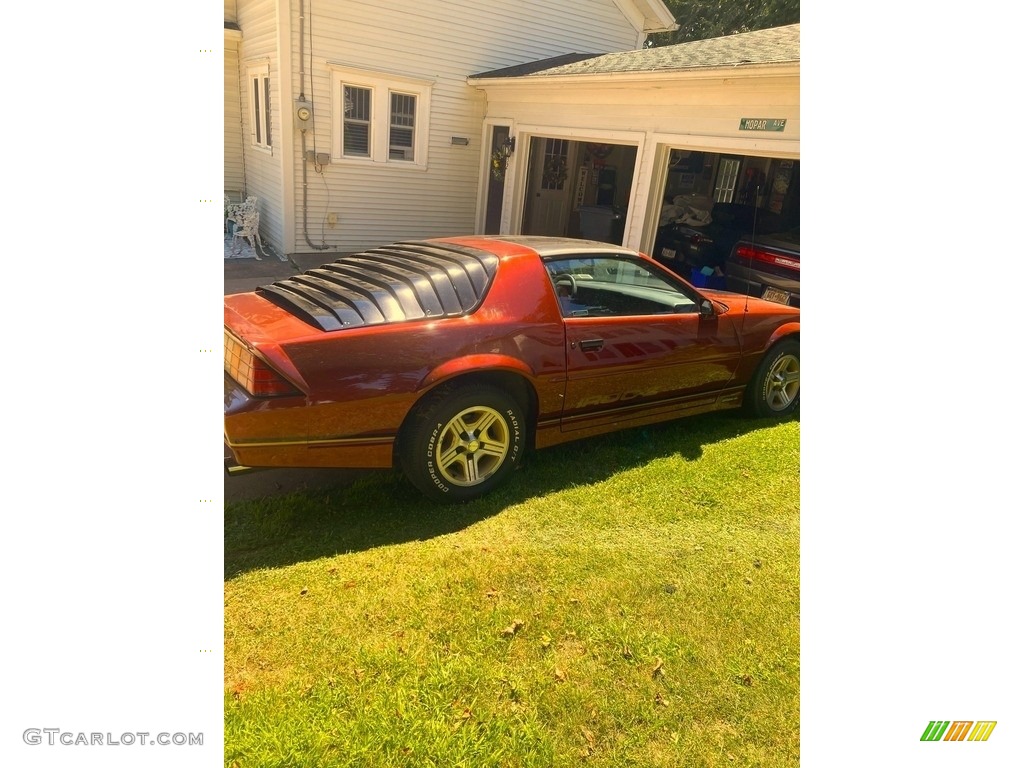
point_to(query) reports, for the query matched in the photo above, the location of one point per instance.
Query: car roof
(412, 280)
(554, 247)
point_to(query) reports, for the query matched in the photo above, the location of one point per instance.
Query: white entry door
(549, 187)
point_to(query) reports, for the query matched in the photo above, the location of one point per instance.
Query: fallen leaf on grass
(492, 593)
(512, 629)
(559, 675)
(660, 700)
(659, 668)
(463, 719)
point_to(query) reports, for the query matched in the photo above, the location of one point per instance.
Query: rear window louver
(393, 284)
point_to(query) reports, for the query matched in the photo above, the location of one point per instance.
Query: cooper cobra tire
(774, 391)
(462, 442)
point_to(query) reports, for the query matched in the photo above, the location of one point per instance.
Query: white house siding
(258, 21)
(234, 174)
(443, 42)
(697, 110)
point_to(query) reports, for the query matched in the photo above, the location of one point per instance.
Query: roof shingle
(778, 45)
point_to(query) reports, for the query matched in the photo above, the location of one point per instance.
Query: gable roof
(648, 15)
(779, 45)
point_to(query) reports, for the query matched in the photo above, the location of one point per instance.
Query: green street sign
(762, 124)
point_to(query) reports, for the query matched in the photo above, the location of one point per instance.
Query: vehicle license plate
(668, 253)
(774, 294)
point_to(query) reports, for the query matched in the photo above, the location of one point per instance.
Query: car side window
(611, 286)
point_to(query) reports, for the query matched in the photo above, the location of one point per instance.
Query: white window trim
(262, 72)
(381, 85)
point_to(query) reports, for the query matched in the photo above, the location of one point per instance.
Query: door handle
(591, 345)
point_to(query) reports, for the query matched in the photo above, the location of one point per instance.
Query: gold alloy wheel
(783, 382)
(473, 446)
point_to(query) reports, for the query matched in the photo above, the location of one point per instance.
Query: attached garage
(610, 147)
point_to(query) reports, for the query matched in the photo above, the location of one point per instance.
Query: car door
(636, 342)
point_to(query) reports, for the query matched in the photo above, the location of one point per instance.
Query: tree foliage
(703, 19)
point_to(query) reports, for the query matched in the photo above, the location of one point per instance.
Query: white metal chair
(246, 217)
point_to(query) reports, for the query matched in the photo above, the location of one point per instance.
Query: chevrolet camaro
(450, 358)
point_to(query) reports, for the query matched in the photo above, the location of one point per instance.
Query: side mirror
(707, 309)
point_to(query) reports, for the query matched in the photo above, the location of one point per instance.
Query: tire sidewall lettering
(766, 381)
(513, 425)
(431, 467)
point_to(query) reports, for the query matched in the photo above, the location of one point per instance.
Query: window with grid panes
(356, 131)
(380, 117)
(403, 125)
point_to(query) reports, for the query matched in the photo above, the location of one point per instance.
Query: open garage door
(577, 189)
(732, 221)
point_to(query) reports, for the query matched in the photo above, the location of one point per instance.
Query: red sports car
(450, 358)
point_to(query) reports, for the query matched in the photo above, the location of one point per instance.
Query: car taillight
(767, 257)
(255, 376)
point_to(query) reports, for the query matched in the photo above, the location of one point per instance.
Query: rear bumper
(753, 282)
(272, 432)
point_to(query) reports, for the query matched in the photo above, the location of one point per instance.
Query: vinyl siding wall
(234, 175)
(263, 168)
(441, 41)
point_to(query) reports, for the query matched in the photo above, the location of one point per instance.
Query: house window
(356, 132)
(259, 106)
(403, 127)
(380, 118)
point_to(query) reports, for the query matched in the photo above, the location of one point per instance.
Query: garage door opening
(578, 189)
(713, 201)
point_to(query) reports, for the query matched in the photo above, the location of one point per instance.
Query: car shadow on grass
(374, 509)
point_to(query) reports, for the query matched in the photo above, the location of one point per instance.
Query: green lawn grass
(630, 600)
